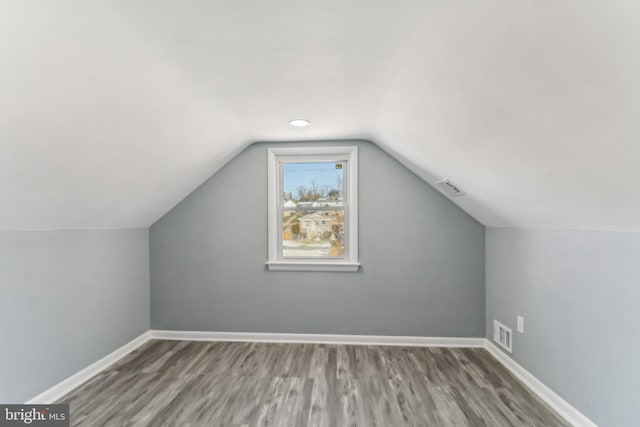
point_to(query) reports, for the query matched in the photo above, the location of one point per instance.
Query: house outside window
(313, 209)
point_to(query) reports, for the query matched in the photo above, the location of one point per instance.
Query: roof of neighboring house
(290, 204)
(320, 202)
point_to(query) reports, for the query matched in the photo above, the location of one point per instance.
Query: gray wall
(422, 260)
(68, 299)
(579, 293)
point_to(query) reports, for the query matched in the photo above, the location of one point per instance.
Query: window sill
(312, 266)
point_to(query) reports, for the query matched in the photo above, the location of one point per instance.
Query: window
(313, 209)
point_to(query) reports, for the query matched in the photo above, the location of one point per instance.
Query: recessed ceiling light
(299, 123)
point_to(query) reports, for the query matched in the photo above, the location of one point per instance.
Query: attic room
(319, 213)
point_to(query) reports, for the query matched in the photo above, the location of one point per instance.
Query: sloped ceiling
(112, 112)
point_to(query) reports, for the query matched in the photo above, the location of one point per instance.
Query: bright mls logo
(36, 415)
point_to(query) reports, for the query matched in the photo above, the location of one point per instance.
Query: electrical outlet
(521, 324)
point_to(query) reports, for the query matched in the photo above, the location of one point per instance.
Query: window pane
(313, 233)
(313, 185)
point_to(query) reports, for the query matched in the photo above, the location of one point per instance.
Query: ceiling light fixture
(299, 123)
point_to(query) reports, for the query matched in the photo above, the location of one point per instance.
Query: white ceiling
(112, 112)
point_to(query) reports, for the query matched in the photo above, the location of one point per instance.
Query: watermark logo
(34, 415)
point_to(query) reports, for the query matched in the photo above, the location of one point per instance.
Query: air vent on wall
(450, 188)
(502, 335)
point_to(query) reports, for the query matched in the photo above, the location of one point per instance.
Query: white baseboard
(319, 339)
(65, 386)
(561, 406)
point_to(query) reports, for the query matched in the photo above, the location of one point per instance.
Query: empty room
(320, 213)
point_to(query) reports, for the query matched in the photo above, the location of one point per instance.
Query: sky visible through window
(327, 176)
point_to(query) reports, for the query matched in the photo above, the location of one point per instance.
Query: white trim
(318, 338)
(316, 266)
(561, 406)
(75, 380)
(310, 154)
(272, 205)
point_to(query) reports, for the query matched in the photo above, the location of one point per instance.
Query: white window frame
(277, 156)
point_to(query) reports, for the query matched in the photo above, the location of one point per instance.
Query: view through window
(313, 209)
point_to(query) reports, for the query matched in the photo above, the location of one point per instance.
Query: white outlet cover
(521, 324)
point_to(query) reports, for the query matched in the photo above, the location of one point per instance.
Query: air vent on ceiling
(502, 335)
(450, 188)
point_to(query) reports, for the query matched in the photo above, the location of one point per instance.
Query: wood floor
(184, 383)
